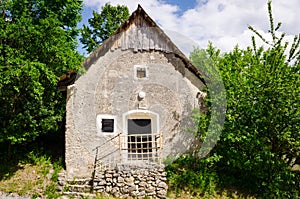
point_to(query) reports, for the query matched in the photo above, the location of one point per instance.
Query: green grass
(32, 169)
(35, 174)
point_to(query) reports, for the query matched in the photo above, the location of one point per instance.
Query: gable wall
(109, 87)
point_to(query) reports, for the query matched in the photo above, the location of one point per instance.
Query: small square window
(107, 125)
(140, 72)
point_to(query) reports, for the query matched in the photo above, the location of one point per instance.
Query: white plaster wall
(109, 87)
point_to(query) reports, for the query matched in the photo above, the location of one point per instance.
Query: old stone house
(133, 104)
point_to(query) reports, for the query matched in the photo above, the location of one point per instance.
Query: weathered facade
(134, 103)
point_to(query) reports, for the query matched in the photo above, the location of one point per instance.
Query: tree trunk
(9, 155)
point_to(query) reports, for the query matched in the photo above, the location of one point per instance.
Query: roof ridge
(171, 47)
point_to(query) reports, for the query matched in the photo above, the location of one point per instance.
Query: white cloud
(224, 22)
(162, 13)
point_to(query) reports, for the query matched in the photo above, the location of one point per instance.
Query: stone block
(108, 189)
(141, 193)
(142, 184)
(134, 193)
(108, 175)
(120, 179)
(162, 185)
(101, 188)
(132, 188)
(115, 190)
(162, 193)
(129, 180)
(108, 179)
(150, 189)
(163, 178)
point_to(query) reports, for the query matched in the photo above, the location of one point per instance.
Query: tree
(260, 142)
(102, 25)
(37, 45)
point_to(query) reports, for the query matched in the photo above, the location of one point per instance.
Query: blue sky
(223, 22)
(183, 4)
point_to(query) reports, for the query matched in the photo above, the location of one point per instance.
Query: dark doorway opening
(139, 139)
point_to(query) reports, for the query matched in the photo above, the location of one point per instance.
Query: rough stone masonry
(123, 181)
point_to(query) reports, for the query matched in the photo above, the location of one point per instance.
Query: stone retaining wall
(124, 181)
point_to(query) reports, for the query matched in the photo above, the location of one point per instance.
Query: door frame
(141, 114)
(138, 114)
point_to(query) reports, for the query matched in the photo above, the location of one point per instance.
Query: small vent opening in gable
(140, 72)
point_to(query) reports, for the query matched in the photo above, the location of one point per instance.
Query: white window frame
(99, 119)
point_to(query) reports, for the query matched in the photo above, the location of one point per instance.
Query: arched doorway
(142, 139)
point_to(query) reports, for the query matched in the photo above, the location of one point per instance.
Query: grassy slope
(35, 175)
(38, 179)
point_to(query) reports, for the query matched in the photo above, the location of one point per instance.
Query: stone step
(79, 181)
(79, 194)
(78, 188)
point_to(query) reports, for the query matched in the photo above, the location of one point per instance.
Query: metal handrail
(149, 149)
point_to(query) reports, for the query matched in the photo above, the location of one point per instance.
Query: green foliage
(37, 158)
(201, 120)
(37, 45)
(102, 25)
(37, 169)
(262, 124)
(197, 175)
(51, 188)
(260, 142)
(211, 122)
